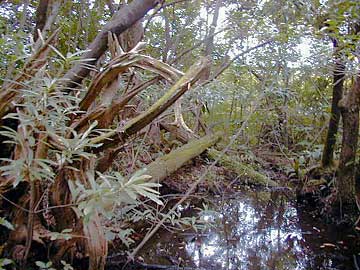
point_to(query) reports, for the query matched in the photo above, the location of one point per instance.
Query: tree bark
(127, 16)
(131, 36)
(111, 6)
(246, 174)
(41, 14)
(338, 82)
(166, 165)
(349, 107)
(209, 45)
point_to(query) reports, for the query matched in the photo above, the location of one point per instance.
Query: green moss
(165, 165)
(250, 176)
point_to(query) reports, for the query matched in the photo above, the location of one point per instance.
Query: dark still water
(256, 230)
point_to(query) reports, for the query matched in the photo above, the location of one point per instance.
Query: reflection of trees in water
(166, 248)
(258, 232)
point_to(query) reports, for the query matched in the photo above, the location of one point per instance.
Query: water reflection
(254, 231)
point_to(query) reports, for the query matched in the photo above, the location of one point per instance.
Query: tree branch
(122, 20)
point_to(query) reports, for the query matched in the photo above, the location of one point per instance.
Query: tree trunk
(338, 82)
(349, 107)
(41, 13)
(209, 45)
(122, 20)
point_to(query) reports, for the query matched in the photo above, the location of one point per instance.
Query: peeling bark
(96, 243)
(136, 124)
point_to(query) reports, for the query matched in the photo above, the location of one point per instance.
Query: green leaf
(40, 264)
(6, 224)
(4, 262)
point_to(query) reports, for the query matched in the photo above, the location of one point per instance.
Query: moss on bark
(167, 164)
(250, 176)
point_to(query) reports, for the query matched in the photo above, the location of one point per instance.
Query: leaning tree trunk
(349, 107)
(338, 82)
(127, 16)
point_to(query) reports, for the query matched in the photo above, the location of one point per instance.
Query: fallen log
(250, 176)
(180, 134)
(232, 163)
(167, 164)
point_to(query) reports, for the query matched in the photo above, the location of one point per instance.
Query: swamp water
(253, 230)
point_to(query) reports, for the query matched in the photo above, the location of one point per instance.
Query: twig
(238, 56)
(55, 207)
(139, 265)
(227, 65)
(37, 211)
(14, 204)
(356, 263)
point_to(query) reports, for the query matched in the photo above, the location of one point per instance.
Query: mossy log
(167, 164)
(250, 176)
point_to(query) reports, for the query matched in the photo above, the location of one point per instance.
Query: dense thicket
(82, 81)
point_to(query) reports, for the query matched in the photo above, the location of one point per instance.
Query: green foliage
(4, 262)
(279, 94)
(46, 109)
(111, 190)
(49, 265)
(122, 234)
(64, 234)
(66, 266)
(44, 266)
(5, 223)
